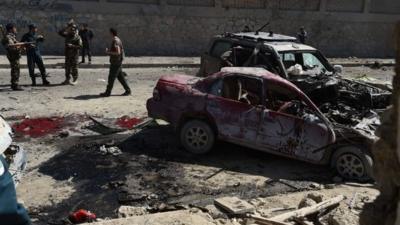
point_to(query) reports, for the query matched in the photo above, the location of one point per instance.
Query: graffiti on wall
(18, 18)
(35, 4)
(42, 4)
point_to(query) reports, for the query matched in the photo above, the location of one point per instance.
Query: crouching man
(116, 53)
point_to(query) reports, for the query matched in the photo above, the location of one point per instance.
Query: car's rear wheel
(352, 164)
(197, 137)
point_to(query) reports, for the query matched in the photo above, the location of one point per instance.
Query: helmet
(10, 26)
(32, 26)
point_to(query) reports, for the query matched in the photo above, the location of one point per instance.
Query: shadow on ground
(153, 169)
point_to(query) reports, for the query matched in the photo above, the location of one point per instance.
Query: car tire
(197, 137)
(351, 163)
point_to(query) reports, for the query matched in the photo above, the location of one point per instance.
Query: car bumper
(156, 109)
(163, 111)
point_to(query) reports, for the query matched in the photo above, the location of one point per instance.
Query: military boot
(46, 82)
(33, 81)
(105, 94)
(16, 87)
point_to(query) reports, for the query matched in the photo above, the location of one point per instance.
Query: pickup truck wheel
(197, 137)
(353, 164)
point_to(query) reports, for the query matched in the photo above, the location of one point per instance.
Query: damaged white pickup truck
(14, 155)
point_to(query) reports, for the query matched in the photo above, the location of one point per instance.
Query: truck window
(288, 59)
(311, 61)
(219, 48)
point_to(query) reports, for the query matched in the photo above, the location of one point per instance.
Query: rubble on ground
(313, 208)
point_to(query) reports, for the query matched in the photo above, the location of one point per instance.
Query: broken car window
(220, 47)
(311, 61)
(284, 100)
(238, 88)
(303, 63)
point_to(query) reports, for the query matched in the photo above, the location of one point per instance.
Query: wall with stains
(361, 28)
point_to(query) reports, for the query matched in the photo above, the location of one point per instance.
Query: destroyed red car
(254, 108)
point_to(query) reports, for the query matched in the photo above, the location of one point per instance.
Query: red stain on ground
(39, 127)
(127, 122)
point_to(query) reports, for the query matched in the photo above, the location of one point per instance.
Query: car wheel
(353, 164)
(197, 137)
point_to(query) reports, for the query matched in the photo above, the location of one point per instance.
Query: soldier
(117, 54)
(86, 36)
(33, 54)
(72, 45)
(302, 35)
(14, 49)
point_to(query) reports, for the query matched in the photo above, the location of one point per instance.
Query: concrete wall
(361, 28)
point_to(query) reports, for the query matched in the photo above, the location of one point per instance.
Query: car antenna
(261, 28)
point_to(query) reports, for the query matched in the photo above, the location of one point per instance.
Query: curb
(101, 66)
(166, 65)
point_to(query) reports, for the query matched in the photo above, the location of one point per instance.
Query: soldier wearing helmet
(14, 49)
(73, 43)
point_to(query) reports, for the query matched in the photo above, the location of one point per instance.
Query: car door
(236, 121)
(211, 62)
(302, 137)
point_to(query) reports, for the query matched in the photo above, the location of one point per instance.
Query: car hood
(5, 135)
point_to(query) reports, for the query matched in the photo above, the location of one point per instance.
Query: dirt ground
(67, 171)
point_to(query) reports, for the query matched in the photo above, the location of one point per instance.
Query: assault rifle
(23, 44)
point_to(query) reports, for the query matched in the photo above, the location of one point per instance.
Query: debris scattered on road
(106, 126)
(82, 216)
(102, 126)
(214, 174)
(234, 205)
(113, 150)
(63, 134)
(6, 109)
(129, 211)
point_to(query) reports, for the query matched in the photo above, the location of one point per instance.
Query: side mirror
(338, 68)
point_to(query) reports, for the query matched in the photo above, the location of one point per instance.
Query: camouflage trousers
(15, 71)
(71, 67)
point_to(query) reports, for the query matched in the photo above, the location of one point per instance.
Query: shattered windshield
(299, 63)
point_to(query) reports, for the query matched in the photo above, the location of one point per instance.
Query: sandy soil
(68, 172)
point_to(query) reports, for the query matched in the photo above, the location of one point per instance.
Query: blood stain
(128, 122)
(39, 127)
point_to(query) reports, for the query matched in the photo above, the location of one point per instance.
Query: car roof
(257, 72)
(263, 36)
(289, 46)
(279, 42)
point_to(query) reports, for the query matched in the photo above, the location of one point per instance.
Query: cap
(10, 26)
(32, 26)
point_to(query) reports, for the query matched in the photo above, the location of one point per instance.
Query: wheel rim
(350, 166)
(196, 137)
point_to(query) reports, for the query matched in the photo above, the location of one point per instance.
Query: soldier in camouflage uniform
(73, 43)
(14, 49)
